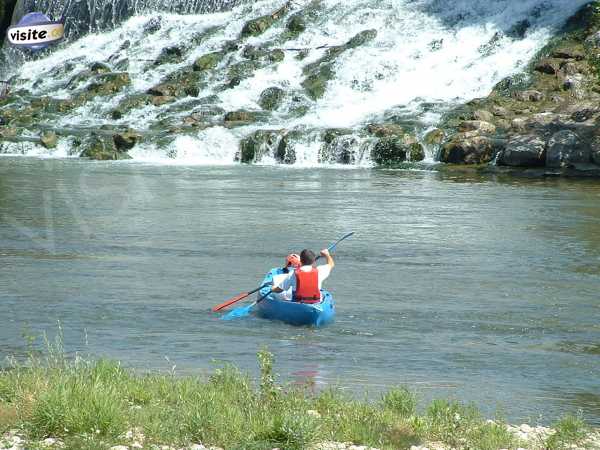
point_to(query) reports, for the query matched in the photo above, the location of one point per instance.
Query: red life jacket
(307, 286)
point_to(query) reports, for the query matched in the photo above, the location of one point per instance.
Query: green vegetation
(92, 405)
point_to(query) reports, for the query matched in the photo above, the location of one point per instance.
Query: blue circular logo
(34, 18)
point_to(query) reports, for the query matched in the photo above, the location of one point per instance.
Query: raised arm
(330, 262)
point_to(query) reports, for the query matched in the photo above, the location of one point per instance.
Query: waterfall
(425, 57)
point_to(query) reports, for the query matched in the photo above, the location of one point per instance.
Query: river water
(456, 285)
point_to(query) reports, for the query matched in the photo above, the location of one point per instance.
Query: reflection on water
(479, 288)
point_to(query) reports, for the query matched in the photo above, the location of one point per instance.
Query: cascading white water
(425, 52)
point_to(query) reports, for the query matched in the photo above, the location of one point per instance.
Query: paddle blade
(231, 301)
(238, 313)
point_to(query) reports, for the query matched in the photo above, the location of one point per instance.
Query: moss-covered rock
(100, 147)
(240, 117)
(258, 26)
(434, 137)
(49, 139)
(130, 103)
(271, 98)
(126, 140)
(208, 61)
(170, 55)
(470, 148)
(260, 143)
(109, 83)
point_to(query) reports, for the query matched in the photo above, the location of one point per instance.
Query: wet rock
(271, 98)
(160, 100)
(100, 67)
(169, 55)
(261, 54)
(240, 116)
(385, 129)
(130, 103)
(109, 83)
(595, 149)
(565, 148)
(153, 25)
(296, 24)
(259, 144)
(99, 147)
(525, 151)
(416, 152)
(258, 26)
(329, 135)
(393, 150)
(316, 83)
(361, 38)
(208, 61)
(49, 139)
(550, 66)
(466, 148)
(244, 69)
(285, 152)
(434, 137)
(126, 140)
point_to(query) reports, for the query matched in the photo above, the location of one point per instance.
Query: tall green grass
(92, 404)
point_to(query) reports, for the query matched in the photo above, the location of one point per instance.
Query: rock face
(565, 149)
(523, 151)
(547, 116)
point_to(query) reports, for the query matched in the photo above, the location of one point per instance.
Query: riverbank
(81, 404)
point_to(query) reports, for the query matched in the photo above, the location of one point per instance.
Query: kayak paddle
(244, 311)
(236, 299)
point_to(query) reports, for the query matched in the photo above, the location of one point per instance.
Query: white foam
(397, 71)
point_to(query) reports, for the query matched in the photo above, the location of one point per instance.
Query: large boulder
(126, 140)
(241, 116)
(470, 148)
(566, 148)
(524, 151)
(393, 150)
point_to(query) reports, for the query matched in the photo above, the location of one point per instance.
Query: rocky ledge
(546, 119)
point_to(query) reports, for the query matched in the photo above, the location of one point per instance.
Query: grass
(92, 405)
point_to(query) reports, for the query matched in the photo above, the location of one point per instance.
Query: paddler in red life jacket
(292, 262)
(307, 280)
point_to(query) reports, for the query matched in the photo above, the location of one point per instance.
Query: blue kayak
(317, 314)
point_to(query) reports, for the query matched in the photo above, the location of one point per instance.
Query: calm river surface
(474, 288)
